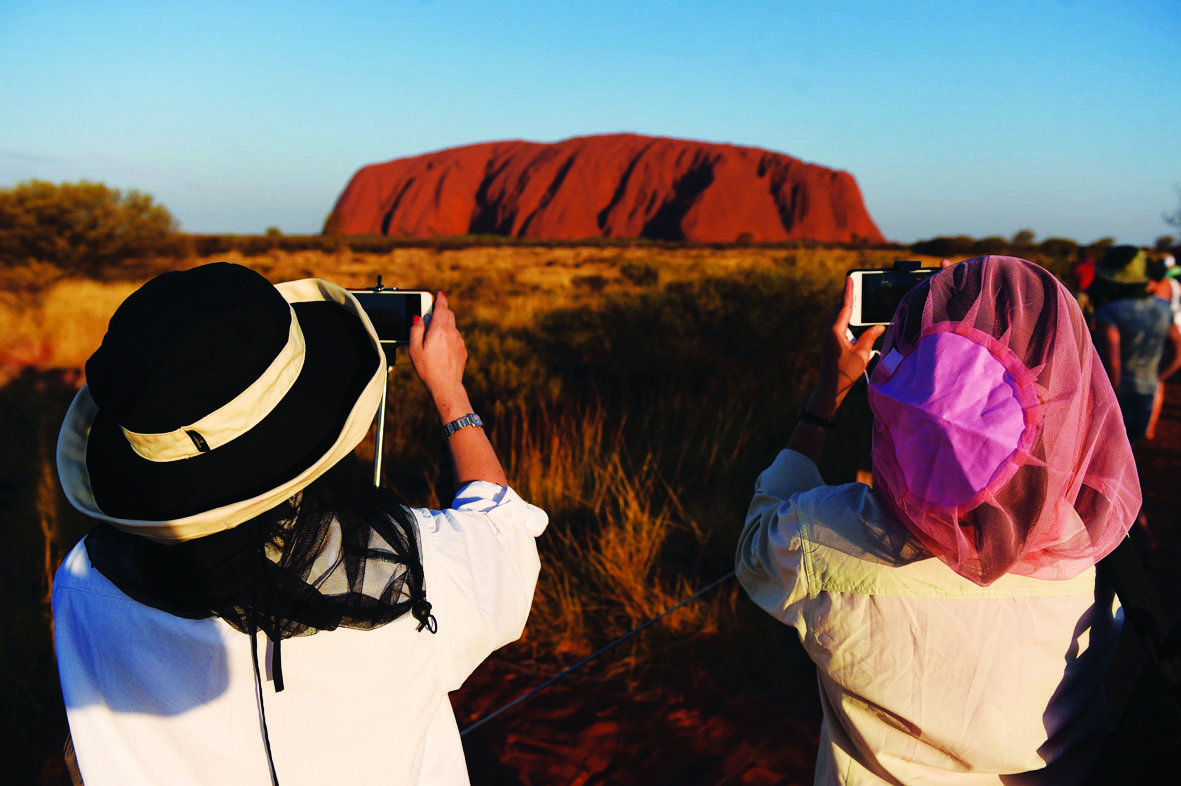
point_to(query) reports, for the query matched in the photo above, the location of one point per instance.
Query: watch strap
(815, 420)
(470, 419)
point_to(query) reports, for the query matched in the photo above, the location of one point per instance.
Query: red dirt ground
(614, 185)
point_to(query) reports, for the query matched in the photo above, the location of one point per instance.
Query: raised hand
(841, 361)
(439, 355)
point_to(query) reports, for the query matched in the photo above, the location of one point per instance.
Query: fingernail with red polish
(417, 318)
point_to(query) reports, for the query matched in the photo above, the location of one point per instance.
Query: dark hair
(258, 575)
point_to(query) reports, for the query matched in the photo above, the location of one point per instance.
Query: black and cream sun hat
(214, 397)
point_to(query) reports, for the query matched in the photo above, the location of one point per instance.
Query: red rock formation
(616, 185)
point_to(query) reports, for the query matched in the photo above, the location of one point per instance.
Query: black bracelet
(816, 420)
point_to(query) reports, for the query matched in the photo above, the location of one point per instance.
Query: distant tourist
(1171, 275)
(1081, 276)
(1133, 329)
(952, 611)
(1167, 288)
(1134, 332)
(213, 444)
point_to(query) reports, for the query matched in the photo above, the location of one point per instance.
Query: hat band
(234, 419)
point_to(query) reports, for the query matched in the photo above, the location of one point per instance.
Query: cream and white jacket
(926, 677)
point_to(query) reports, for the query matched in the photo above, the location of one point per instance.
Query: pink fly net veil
(998, 441)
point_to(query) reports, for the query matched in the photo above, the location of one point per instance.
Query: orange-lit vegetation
(634, 389)
(635, 392)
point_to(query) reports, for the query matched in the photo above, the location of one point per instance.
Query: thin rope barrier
(592, 656)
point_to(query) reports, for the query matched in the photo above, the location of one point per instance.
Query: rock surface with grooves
(615, 185)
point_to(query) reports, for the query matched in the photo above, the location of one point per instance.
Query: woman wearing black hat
(213, 443)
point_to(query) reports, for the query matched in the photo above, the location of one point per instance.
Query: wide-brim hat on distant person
(1123, 265)
(214, 397)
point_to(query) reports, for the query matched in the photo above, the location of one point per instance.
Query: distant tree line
(91, 229)
(1022, 243)
(1056, 253)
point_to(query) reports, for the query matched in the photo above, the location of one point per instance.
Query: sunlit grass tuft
(605, 562)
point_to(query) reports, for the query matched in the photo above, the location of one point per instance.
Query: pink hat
(998, 440)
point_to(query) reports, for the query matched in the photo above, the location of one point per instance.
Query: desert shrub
(639, 273)
(209, 245)
(994, 244)
(1023, 238)
(594, 283)
(708, 373)
(947, 246)
(82, 227)
(373, 244)
(1098, 248)
(961, 246)
(252, 245)
(505, 371)
(690, 330)
(23, 281)
(1060, 247)
(259, 245)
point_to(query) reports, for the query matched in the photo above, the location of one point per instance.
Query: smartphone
(877, 293)
(392, 311)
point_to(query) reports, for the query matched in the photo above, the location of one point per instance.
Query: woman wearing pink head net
(953, 611)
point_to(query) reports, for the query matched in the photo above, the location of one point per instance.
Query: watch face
(470, 419)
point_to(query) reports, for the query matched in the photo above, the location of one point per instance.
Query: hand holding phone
(439, 355)
(843, 359)
(878, 291)
(392, 311)
(842, 362)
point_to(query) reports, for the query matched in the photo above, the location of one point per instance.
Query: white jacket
(157, 699)
(926, 677)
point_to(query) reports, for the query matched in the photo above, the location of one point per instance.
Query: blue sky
(1062, 116)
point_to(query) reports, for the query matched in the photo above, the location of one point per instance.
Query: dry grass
(57, 327)
(510, 287)
(598, 369)
(610, 522)
(50, 321)
(615, 502)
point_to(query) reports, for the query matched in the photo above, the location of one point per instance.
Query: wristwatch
(816, 420)
(470, 419)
